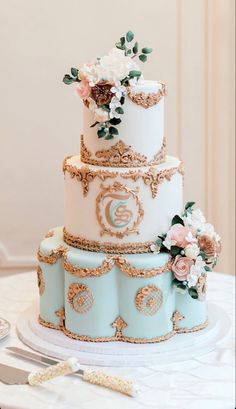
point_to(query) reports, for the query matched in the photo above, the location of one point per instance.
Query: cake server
(15, 376)
(126, 387)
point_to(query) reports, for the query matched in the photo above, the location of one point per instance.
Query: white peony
(100, 115)
(196, 270)
(90, 73)
(112, 67)
(192, 251)
(195, 220)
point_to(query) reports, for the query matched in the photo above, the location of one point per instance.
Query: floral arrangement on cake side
(194, 246)
(103, 83)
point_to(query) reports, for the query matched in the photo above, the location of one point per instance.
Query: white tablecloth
(206, 382)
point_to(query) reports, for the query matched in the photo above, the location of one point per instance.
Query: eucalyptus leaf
(129, 36)
(106, 108)
(68, 79)
(142, 57)
(122, 100)
(108, 137)
(113, 130)
(146, 50)
(134, 73)
(121, 47)
(193, 293)
(101, 133)
(177, 220)
(119, 110)
(115, 121)
(179, 284)
(74, 72)
(189, 205)
(135, 48)
(122, 41)
(207, 268)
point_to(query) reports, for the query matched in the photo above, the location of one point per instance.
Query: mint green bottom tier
(100, 297)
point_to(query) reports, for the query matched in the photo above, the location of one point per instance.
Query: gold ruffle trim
(148, 100)
(119, 324)
(121, 263)
(120, 155)
(106, 247)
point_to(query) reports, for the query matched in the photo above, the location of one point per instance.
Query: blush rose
(178, 234)
(84, 89)
(181, 267)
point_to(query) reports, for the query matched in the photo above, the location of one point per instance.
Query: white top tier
(142, 128)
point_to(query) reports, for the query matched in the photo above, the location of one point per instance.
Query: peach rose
(181, 267)
(83, 89)
(178, 233)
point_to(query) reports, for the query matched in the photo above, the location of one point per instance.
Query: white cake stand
(179, 348)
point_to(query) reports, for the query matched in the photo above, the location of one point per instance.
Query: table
(205, 382)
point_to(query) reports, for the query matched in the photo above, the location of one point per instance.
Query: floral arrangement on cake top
(194, 246)
(103, 83)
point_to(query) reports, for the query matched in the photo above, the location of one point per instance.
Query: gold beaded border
(53, 256)
(106, 247)
(121, 337)
(148, 100)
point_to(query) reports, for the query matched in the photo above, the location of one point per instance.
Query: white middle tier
(120, 210)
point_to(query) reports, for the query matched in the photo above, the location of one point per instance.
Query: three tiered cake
(130, 264)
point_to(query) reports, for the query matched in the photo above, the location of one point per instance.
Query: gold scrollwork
(123, 215)
(177, 316)
(86, 175)
(80, 297)
(148, 100)
(120, 155)
(41, 284)
(153, 178)
(149, 300)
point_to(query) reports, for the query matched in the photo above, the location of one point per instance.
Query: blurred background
(193, 42)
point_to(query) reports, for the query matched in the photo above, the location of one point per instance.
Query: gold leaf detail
(149, 300)
(54, 255)
(80, 297)
(148, 100)
(41, 284)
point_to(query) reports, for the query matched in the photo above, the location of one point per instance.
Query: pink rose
(181, 267)
(83, 89)
(178, 233)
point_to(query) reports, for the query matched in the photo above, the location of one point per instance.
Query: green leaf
(193, 293)
(134, 73)
(177, 220)
(142, 57)
(95, 123)
(119, 110)
(101, 133)
(122, 41)
(68, 79)
(179, 284)
(115, 121)
(74, 72)
(113, 130)
(189, 205)
(158, 242)
(129, 52)
(203, 255)
(207, 268)
(106, 108)
(129, 36)
(175, 250)
(146, 50)
(121, 47)
(109, 136)
(135, 48)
